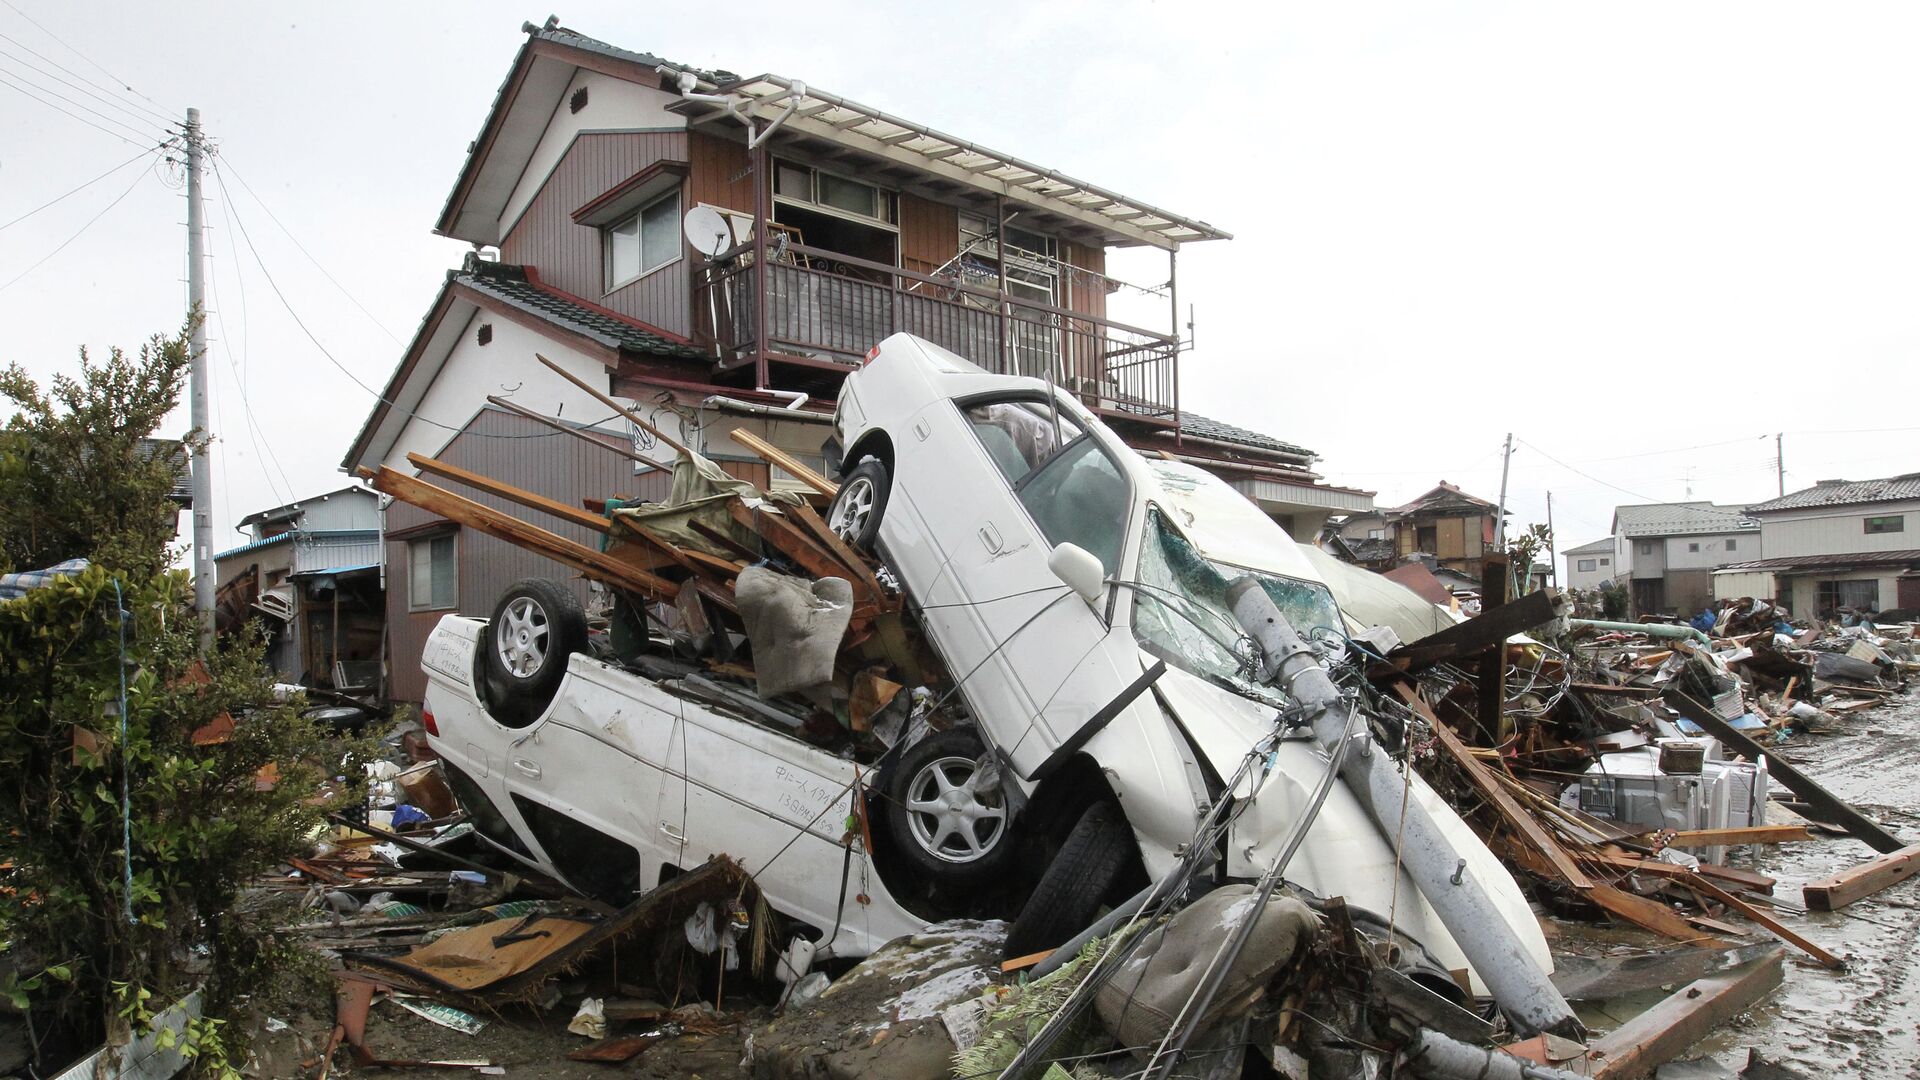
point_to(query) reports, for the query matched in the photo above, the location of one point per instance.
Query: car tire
(536, 626)
(944, 827)
(857, 507)
(1096, 855)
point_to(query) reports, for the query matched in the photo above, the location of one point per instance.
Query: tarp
(701, 491)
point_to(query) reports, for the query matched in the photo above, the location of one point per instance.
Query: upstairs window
(1693, 547)
(644, 241)
(1893, 524)
(1646, 549)
(804, 186)
(1733, 544)
(1586, 566)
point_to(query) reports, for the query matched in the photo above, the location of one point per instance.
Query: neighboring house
(311, 573)
(628, 228)
(1456, 528)
(1838, 544)
(1672, 549)
(1590, 566)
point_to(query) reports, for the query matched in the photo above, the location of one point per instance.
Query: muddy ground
(1862, 1023)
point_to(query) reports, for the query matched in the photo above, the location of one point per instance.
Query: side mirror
(1079, 569)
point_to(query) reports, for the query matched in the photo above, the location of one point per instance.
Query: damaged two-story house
(722, 251)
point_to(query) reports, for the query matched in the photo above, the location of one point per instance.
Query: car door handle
(672, 833)
(527, 767)
(990, 536)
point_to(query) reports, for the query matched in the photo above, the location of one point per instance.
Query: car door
(1017, 480)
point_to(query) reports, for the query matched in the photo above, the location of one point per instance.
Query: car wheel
(945, 816)
(1096, 855)
(536, 626)
(857, 506)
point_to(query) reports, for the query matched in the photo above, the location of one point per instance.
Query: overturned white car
(1106, 697)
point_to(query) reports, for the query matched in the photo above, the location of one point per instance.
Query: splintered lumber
(1666, 1030)
(1752, 834)
(789, 464)
(813, 523)
(1708, 889)
(1495, 793)
(571, 514)
(1480, 632)
(1860, 882)
(1782, 770)
(777, 529)
(565, 429)
(1651, 915)
(595, 564)
(665, 439)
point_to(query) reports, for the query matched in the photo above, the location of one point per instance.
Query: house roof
(283, 538)
(1680, 519)
(903, 151)
(521, 288)
(1845, 492)
(182, 490)
(1201, 427)
(1603, 546)
(1444, 496)
(1826, 562)
(1422, 581)
(298, 505)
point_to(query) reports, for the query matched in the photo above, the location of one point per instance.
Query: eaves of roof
(1845, 493)
(1858, 559)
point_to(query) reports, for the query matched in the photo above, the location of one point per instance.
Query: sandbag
(794, 625)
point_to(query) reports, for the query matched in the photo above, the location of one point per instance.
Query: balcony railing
(824, 305)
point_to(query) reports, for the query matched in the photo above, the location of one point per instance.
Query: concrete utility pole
(1500, 521)
(1780, 460)
(1553, 559)
(197, 391)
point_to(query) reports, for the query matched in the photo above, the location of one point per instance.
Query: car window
(1019, 435)
(1080, 497)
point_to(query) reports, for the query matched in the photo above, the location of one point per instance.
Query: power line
(75, 191)
(4, 81)
(310, 256)
(1643, 498)
(27, 77)
(82, 230)
(57, 40)
(254, 433)
(139, 114)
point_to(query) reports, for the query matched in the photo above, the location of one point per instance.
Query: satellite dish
(707, 230)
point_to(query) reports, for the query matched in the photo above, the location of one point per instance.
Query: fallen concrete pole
(1442, 1057)
(1521, 989)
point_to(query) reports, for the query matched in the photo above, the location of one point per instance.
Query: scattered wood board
(1774, 926)
(598, 523)
(1666, 1030)
(786, 462)
(1859, 882)
(1753, 834)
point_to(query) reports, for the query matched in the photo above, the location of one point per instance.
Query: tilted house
(721, 251)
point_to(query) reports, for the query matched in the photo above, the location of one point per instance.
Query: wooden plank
(594, 564)
(655, 541)
(1490, 690)
(665, 439)
(1666, 1030)
(783, 534)
(1792, 778)
(815, 525)
(746, 553)
(1774, 926)
(1020, 963)
(1651, 915)
(564, 429)
(787, 462)
(598, 523)
(1503, 801)
(1752, 834)
(1859, 882)
(1634, 864)
(1481, 631)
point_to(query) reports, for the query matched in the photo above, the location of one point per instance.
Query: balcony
(824, 308)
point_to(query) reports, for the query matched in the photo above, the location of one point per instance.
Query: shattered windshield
(1180, 610)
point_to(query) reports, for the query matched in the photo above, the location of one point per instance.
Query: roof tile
(1843, 492)
(510, 285)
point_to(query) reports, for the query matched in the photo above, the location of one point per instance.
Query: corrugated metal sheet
(568, 256)
(534, 458)
(330, 550)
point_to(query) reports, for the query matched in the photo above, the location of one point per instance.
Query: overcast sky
(1641, 237)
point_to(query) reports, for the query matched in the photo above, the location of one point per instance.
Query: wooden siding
(719, 173)
(557, 466)
(929, 233)
(568, 256)
(1089, 296)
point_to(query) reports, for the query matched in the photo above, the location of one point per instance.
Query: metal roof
(1844, 492)
(1680, 519)
(1824, 562)
(510, 285)
(1603, 546)
(285, 537)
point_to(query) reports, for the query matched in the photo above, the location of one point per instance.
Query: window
(644, 242)
(1426, 538)
(1693, 547)
(1646, 549)
(810, 187)
(1733, 543)
(431, 574)
(1376, 534)
(1605, 561)
(1858, 595)
(1079, 497)
(1018, 435)
(1895, 523)
(1586, 566)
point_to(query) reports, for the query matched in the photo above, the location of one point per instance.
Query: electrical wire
(1643, 498)
(96, 64)
(80, 232)
(76, 190)
(139, 121)
(5, 81)
(262, 454)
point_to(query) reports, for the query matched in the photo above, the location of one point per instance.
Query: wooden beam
(1753, 834)
(1663, 1032)
(1859, 882)
(1823, 801)
(859, 567)
(494, 399)
(1489, 787)
(1774, 926)
(787, 537)
(1487, 628)
(1490, 699)
(595, 564)
(792, 466)
(603, 399)
(510, 493)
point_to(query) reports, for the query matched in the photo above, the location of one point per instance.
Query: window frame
(1883, 524)
(637, 218)
(885, 198)
(453, 563)
(1586, 566)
